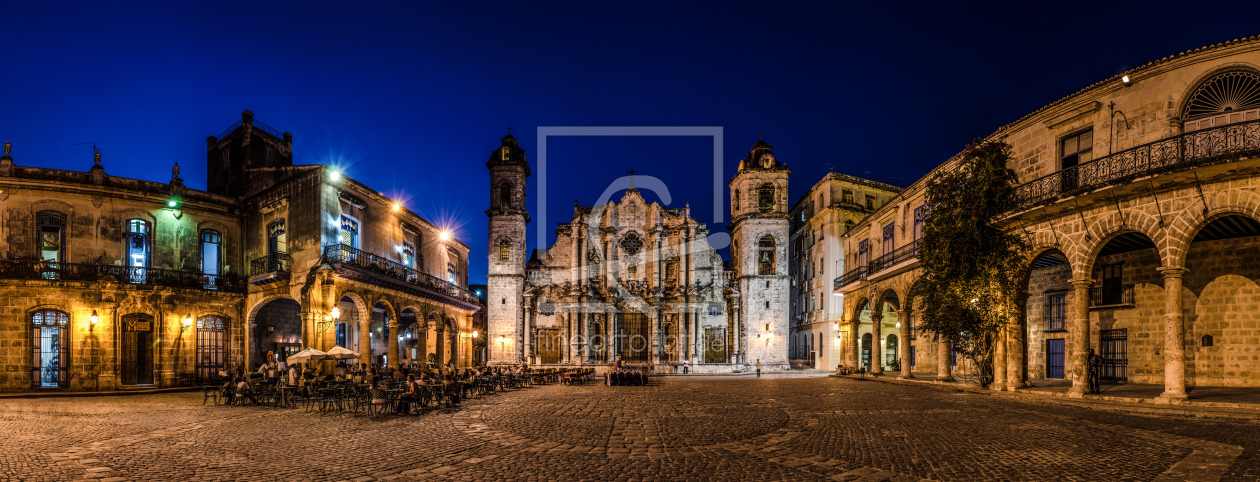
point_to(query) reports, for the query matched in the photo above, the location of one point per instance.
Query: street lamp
(329, 319)
(92, 320)
(445, 235)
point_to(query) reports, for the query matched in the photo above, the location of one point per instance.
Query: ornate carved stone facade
(1138, 198)
(639, 281)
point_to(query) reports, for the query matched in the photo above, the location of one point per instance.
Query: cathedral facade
(638, 281)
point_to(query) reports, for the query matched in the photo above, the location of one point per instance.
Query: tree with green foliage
(970, 266)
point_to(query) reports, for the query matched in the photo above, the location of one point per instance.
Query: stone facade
(819, 220)
(1138, 199)
(640, 281)
(114, 282)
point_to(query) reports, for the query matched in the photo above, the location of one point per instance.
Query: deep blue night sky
(411, 98)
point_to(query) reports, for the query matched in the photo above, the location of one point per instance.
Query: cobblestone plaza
(684, 429)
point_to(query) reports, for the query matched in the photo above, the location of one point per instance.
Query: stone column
(904, 317)
(999, 359)
(855, 343)
(942, 362)
(1079, 336)
(1174, 335)
(391, 343)
(527, 348)
(441, 349)
(1015, 348)
(365, 340)
(877, 337)
(610, 322)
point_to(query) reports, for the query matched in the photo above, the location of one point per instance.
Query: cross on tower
(632, 172)
(509, 128)
(759, 135)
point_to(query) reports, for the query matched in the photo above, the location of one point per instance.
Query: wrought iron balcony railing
(850, 277)
(898, 256)
(365, 261)
(271, 263)
(52, 271)
(1202, 147)
(1111, 296)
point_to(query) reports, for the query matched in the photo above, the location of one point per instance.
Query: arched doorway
(276, 327)
(891, 358)
(136, 367)
(1217, 295)
(1046, 314)
(379, 329)
(632, 337)
(1123, 260)
(410, 338)
(866, 350)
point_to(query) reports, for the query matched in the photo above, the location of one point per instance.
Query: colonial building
(639, 281)
(1138, 198)
(819, 220)
(117, 282)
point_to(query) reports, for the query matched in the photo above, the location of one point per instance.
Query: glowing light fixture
(397, 206)
(171, 203)
(188, 320)
(334, 176)
(474, 333)
(445, 236)
(94, 319)
(837, 325)
(335, 313)
(1126, 80)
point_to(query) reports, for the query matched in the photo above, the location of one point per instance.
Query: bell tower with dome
(759, 254)
(505, 279)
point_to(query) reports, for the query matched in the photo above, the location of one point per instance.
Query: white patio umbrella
(343, 353)
(309, 354)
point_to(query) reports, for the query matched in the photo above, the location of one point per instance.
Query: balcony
(363, 266)
(1111, 297)
(898, 256)
(272, 267)
(852, 276)
(44, 270)
(1215, 145)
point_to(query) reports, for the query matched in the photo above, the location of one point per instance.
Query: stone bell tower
(759, 253)
(505, 278)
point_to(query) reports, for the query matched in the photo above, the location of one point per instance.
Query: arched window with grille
(50, 349)
(765, 197)
(505, 250)
(765, 255)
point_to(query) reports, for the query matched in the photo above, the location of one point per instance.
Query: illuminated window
(277, 240)
(50, 349)
(409, 255)
(52, 226)
(137, 243)
(349, 231)
(504, 250)
(211, 251)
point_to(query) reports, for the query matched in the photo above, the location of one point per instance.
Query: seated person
(243, 390)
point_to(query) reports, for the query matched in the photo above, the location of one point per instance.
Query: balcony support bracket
(1158, 208)
(1199, 187)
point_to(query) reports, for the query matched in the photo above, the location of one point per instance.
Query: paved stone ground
(693, 429)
